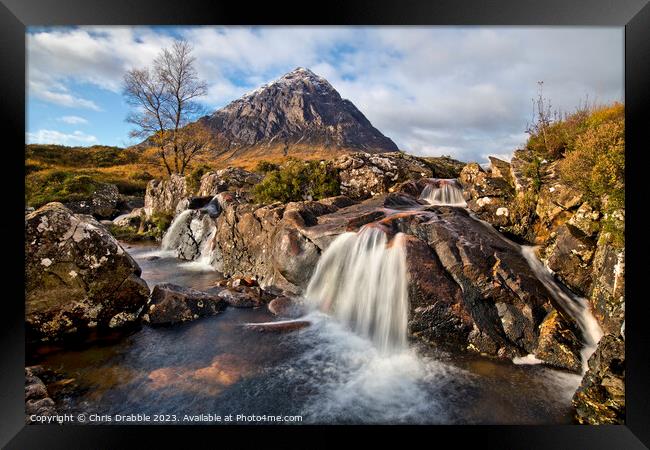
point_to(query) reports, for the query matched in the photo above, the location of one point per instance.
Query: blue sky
(434, 90)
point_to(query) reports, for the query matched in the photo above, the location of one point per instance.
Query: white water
(577, 307)
(172, 235)
(443, 192)
(361, 279)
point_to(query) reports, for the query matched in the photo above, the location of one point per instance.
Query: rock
(78, 277)
(586, 219)
(242, 297)
(558, 344)
(162, 196)
(600, 399)
(501, 169)
(37, 398)
(364, 175)
(569, 255)
(171, 304)
(299, 109)
(101, 204)
(556, 201)
(132, 219)
(607, 294)
(520, 161)
(476, 183)
(284, 306)
(471, 288)
(232, 179)
(278, 327)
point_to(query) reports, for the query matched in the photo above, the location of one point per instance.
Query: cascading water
(173, 234)
(191, 235)
(361, 279)
(575, 306)
(443, 192)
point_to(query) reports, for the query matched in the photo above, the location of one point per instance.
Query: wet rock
(171, 304)
(471, 287)
(278, 327)
(162, 196)
(600, 399)
(102, 203)
(365, 175)
(37, 398)
(78, 277)
(558, 344)
(569, 255)
(242, 297)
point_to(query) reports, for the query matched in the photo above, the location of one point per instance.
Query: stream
(325, 373)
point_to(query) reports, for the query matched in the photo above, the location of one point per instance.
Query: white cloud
(57, 137)
(464, 91)
(73, 120)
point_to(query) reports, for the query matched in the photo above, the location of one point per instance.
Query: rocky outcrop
(172, 304)
(364, 175)
(102, 203)
(469, 286)
(474, 288)
(233, 179)
(162, 196)
(600, 399)
(77, 276)
(300, 108)
(488, 195)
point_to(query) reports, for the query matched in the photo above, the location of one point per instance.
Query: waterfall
(172, 236)
(575, 306)
(443, 192)
(361, 279)
(191, 235)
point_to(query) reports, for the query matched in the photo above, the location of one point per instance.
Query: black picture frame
(634, 15)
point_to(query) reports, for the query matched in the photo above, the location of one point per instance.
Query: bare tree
(164, 100)
(542, 116)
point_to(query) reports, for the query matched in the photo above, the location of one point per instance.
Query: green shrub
(595, 165)
(194, 178)
(58, 186)
(298, 180)
(266, 166)
(162, 221)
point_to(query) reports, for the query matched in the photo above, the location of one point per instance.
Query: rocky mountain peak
(300, 108)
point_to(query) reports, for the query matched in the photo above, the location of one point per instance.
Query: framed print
(416, 218)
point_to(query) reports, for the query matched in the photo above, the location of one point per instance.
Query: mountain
(299, 112)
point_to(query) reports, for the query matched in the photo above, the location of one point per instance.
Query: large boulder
(102, 203)
(474, 288)
(162, 196)
(364, 175)
(569, 253)
(600, 399)
(172, 304)
(77, 276)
